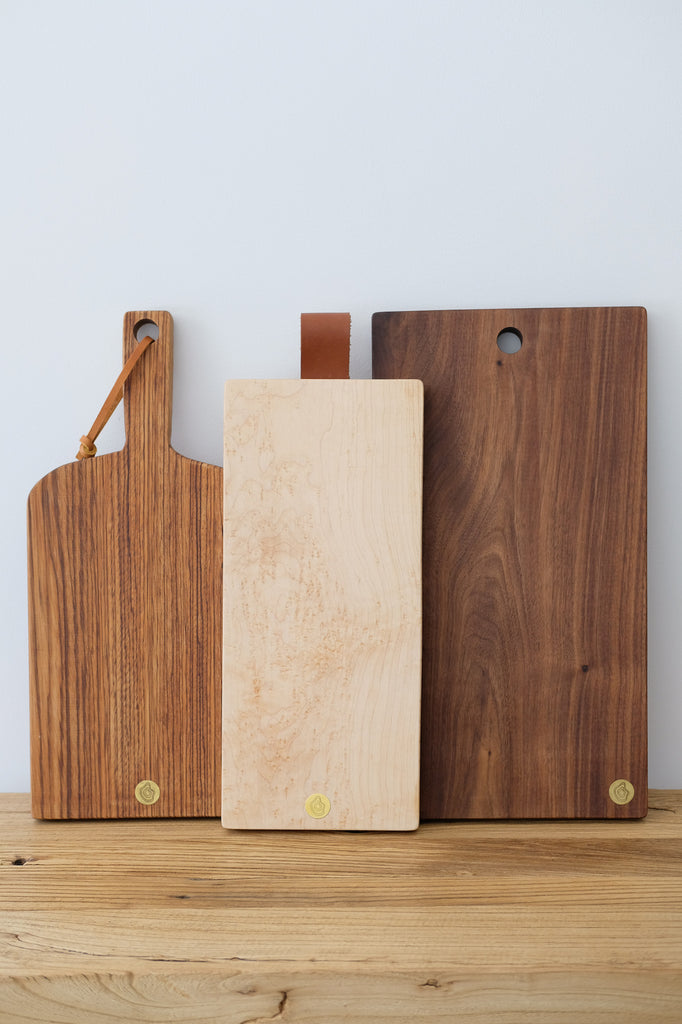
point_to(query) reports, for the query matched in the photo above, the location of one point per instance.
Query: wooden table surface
(458, 922)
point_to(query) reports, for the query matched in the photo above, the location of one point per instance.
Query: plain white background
(238, 163)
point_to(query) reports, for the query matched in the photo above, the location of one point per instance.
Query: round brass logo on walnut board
(621, 791)
(317, 805)
(147, 792)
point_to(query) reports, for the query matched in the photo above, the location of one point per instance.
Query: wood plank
(534, 699)
(322, 604)
(401, 939)
(125, 606)
(281, 993)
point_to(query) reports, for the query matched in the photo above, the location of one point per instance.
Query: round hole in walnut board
(509, 341)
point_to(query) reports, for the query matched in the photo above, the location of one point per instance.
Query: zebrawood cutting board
(125, 573)
(534, 699)
(322, 611)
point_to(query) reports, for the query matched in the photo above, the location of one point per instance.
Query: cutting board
(534, 699)
(322, 604)
(124, 576)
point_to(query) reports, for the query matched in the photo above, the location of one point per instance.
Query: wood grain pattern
(534, 696)
(124, 572)
(477, 921)
(322, 603)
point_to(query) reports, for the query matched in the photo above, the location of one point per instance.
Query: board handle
(148, 392)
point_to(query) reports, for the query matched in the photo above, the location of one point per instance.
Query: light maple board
(322, 604)
(534, 700)
(124, 580)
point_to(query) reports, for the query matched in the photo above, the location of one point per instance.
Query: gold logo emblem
(147, 792)
(621, 791)
(317, 806)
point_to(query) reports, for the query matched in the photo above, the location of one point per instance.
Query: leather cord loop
(88, 449)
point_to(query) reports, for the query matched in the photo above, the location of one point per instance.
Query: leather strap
(325, 345)
(87, 449)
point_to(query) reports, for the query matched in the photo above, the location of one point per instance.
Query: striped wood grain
(124, 573)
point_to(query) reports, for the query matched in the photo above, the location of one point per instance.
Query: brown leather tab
(325, 346)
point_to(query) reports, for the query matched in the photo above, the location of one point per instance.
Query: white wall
(240, 162)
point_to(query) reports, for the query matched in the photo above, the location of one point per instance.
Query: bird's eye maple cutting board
(322, 609)
(534, 686)
(125, 611)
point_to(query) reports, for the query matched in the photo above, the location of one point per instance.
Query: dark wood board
(125, 617)
(534, 670)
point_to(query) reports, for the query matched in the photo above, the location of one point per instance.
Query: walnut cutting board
(322, 604)
(534, 699)
(124, 573)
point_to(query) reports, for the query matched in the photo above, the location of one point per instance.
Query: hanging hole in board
(146, 329)
(509, 341)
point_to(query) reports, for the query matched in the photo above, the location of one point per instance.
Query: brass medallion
(317, 806)
(621, 791)
(147, 792)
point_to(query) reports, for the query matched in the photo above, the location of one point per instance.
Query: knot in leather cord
(87, 449)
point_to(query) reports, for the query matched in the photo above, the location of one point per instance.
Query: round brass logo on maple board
(147, 792)
(317, 805)
(621, 791)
